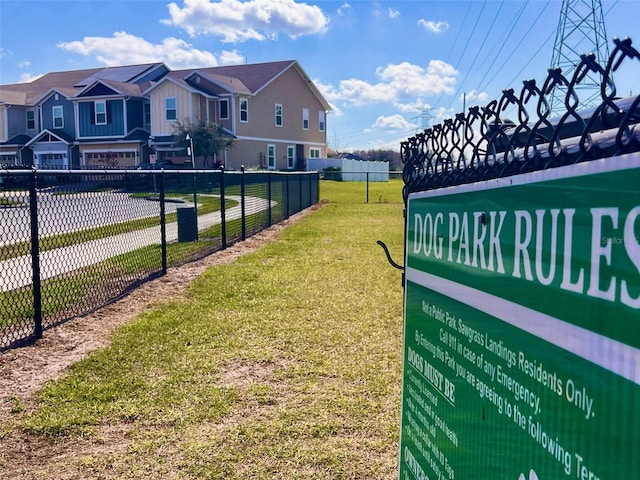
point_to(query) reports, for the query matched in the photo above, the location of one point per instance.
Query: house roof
(70, 83)
(119, 88)
(59, 134)
(246, 79)
(124, 74)
(18, 140)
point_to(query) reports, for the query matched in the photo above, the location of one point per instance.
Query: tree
(208, 138)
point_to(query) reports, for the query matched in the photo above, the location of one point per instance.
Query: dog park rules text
(522, 327)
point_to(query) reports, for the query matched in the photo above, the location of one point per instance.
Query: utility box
(187, 224)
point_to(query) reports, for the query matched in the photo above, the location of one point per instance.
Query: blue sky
(386, 67)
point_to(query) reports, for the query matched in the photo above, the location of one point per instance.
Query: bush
(333, 173)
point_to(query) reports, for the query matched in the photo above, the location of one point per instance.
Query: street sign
(152, 159)
(522, 327)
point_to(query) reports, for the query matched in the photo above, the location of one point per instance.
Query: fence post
(35, 255)
(301, 205)
(243, 206)
(286, 188)
(367, 187)
(163, 225)
(223, 210)
(195, 201)
(269, 198)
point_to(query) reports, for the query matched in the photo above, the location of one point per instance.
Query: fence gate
(522, 293)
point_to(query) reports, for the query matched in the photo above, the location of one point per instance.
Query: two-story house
(92, 118)
(21, 117)
(117, 117)
(274, 111)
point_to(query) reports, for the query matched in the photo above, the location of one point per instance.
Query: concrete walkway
(17, 272)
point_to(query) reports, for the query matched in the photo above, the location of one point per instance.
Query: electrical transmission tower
(425, 118)
(581, 30)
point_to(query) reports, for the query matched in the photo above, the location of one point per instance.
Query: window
(291, 156)
(147, 116)
(314, 152)
(244, 110)
(224, 109)
(170, 108)
(9, 159)
(31, 120)
(305, 119)
(58, 120)
(278, 115)
(100, 109)
(271, 157)
(321, 121)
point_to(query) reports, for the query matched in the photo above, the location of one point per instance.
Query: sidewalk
(17, 272)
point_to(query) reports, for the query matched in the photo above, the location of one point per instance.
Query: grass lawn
(285, 364)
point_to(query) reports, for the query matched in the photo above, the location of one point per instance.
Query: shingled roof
(70, 83)
(247, 79)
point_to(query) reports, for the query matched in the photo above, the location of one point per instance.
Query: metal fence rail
(73, 241)
(479, 144)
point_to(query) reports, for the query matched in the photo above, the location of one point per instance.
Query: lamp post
(191, 153)
(190, 150)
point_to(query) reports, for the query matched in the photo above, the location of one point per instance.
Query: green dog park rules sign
(522, 327)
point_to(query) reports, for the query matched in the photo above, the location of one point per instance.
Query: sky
(387, 68)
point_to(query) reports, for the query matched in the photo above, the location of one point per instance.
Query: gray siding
(17, 121)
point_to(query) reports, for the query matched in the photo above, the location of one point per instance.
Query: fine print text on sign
(522, 327)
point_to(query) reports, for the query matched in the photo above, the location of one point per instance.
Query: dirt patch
(25, 370)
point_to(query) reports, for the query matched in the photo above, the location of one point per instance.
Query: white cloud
(392, 122)
(393, 13)
(474, 96)
(435, 27)
(439, 114)
(397, 82)
(417, 106)
(231, 57)
(344, 9)
(238, 21)
(29, 77)
(5, 52)
(24, 64)
(123, 48)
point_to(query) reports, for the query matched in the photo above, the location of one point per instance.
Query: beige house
(275, 112)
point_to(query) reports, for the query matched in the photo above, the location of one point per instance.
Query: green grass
(285, 364)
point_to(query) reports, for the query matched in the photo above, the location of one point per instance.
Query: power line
(475, 58)
(484, 4)
(526, 64)
(514, 23)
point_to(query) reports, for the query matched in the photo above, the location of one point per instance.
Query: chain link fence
(74, 241)
(481, 144)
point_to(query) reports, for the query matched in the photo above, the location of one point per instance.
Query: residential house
(91, 118)
(117, 117)
(274, 111)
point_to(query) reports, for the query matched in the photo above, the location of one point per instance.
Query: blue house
(95, 118)
(117, 117)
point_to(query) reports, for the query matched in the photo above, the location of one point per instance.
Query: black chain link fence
(480, 144)
(74, 241)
